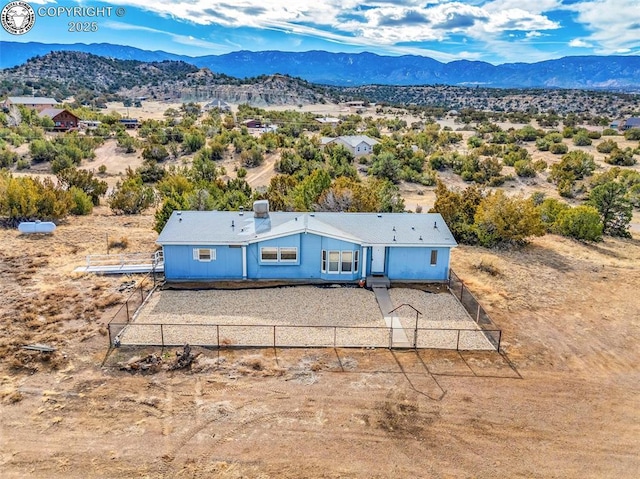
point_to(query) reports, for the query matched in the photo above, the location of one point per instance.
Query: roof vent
(261, 209)
(241, 210)
(394, 228)
(233, 224)
(394, 237)
(435, 225)
(178, 213)
(420, 238)
(379, 215)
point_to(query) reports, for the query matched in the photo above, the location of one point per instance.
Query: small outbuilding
(305, 246)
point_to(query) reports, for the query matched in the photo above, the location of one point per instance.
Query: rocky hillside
(88, 77)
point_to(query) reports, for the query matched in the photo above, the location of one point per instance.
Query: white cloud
(614, 24)
(534, 34)
(579, 43)
(181, 39)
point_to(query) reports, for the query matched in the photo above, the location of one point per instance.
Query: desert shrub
(543, 144)
(82, 203)
(131, 196)
(573, 166)
(386, 166)
(581, 139)
(550, 210)
(558, 148)
(582, 223)
(155, 152)
(621, 157)
(632, 134)
(193, 141)
(41, 151)
(23, 164)
(609, 132)
(28, 198)
(126, 142)
(525, 168)
(242, 172)
(83, 180)
(150, 171)
(594, 134)
(500, 220)
(539, 165)
(252, 157)
(474, 141)
(607, 146)
(8, 158)
(514, 154)
(102, 169)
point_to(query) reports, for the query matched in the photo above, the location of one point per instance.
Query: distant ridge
(353, 69)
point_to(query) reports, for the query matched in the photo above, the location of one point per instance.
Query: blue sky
(496, 31)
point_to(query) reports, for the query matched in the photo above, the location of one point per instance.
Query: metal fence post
(478, 315)
(458, 341)
(461, 290)
(335, 333)
(218, 335)
(142, 293)
(126, 303)
(274, 335)
(162, 334)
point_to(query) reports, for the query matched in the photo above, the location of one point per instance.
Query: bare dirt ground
(561, 402)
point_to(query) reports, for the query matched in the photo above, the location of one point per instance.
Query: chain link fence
(475, 309)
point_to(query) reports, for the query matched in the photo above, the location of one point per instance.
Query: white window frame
(325, 265)
(342, 262)
(198, 254)
(337, 270)
(262, 251)
(288, 249)
(434, 257)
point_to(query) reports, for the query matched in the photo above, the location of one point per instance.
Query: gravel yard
(303, 316)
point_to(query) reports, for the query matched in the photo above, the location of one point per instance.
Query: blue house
(332, 247)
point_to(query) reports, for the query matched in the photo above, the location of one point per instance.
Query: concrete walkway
(398, 334)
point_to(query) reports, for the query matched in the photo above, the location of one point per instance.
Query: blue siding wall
(180, 265)
(414, 263)
(402, 263)
(308, 266)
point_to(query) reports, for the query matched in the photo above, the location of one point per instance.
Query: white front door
(377, 259)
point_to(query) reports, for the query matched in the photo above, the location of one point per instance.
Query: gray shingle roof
(232, 227)
(633, 122)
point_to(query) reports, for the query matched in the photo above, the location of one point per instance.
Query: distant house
(38, 103)
(252, 123)
(632, 122)
(130, 123)
(358, 145)
(332, 247)
(63, 120)
(328, 120)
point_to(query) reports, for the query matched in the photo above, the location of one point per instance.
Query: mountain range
(354, 69)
